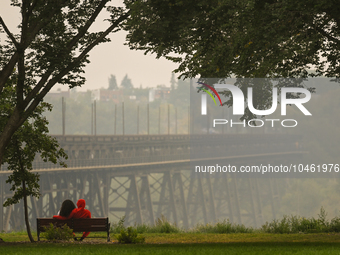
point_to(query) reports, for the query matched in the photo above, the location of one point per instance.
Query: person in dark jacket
(66, 208)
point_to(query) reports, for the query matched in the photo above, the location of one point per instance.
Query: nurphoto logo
(239, 105)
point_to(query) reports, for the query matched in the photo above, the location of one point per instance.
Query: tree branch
(34, 29)
(37, 96)
(325, 34)
(21, 80)
(8, 33)
(25, 18)
(31, 7)
(6, 72)
(41, 89)
(85, 28)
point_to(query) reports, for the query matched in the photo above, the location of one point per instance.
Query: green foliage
(224, 227)
(295, 224)
(53, 233)
(258, 39)
(51, 48)
(274, 245)
(277, 226)
(117, 227)
(247, 38)
(162, 225)
(126, 83)
(112, 82)
(286, 225)
(130, 235)
(29, 140)
(334, 225)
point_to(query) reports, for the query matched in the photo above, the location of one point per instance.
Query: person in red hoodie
(81, 213)
(77, 213)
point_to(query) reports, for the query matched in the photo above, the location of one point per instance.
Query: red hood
(80, 212)
(81, 203)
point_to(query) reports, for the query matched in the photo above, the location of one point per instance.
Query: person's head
(66, 208)
(81, 203)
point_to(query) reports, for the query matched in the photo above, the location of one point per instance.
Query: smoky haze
(133, 158)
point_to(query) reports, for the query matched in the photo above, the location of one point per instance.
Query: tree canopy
(30, 139)
(112, 82)
(215, 38)
(126, 83)
(52, 47)
(246, 38)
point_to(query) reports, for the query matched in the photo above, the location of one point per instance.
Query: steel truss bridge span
(146, 177)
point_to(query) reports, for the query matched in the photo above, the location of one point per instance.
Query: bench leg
(108, 230)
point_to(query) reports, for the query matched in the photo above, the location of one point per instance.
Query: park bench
(77, 225)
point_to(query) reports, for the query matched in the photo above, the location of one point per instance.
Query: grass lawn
(183, 243)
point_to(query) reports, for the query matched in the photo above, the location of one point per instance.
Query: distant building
(75, 95)
(107, 95)
(59, 93)
(160, 92)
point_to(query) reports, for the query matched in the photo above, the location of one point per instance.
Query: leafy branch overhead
(32, 137)
(247, 38)
(29, 140)
(52, 47)
(217, 38)
(242, 39)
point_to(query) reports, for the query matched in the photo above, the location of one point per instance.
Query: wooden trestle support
(147, 197)
(145, 178)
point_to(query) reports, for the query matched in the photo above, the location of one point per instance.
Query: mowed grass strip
(158, 249)
(194, 238)
(241, 238)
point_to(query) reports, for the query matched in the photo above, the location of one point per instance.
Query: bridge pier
(146, 201)
(181, 197)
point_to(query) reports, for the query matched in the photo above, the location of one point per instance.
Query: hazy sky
(110, 58)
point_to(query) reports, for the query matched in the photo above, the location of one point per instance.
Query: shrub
(53, 233)
(294, 224)
(278, 226)
(223, 227)
(130, 236)
(144, 228)
(288, 224)
(162, 225)
(334, 225)
(119, 226)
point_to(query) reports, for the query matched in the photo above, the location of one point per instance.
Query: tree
(216, 38)
(112, 83)
(126, 83)
(52, 47)
(247, 38)
(29, 140)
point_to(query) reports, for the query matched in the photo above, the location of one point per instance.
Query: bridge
(145, 177)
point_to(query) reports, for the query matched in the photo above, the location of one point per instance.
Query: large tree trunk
(26, 213)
